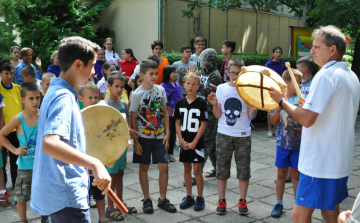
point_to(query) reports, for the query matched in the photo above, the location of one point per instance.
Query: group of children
(208, 117)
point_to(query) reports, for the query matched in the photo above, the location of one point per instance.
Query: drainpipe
(160, 16)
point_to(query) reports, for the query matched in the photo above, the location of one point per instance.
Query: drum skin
(107, 133)
(253, 84)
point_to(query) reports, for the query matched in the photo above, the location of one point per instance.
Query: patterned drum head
(107, 133)
(253, 84)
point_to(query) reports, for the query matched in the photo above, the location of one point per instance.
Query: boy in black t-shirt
(191, 116)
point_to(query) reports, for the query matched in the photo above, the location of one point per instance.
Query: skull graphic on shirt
(233, 108)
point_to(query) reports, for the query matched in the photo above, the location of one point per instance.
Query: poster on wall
(304, 45)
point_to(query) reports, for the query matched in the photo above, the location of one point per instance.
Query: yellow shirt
(12, 101)
(123, 96)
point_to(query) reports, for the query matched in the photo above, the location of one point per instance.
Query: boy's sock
(222, 200)
(279, 202)
(242, 200)
(3, 191)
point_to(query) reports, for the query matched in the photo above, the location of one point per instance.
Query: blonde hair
(286, 74)
(48, 76)
(237, 62)
(25, 50)
(89, 86)
(191, 76)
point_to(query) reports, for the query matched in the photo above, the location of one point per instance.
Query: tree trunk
(356, 59)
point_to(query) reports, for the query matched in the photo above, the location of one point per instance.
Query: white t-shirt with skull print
(234, 120)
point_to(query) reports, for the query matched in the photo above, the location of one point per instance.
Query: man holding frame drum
(327, 146)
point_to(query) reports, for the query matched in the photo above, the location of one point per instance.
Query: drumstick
(117, 201)
(297, 89)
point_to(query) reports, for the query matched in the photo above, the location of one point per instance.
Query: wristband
(181, 142)
(280, 103)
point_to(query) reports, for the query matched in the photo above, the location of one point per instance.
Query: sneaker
(221, 208)
(92, 202)
(147, 206)
(199, 204)
(243, 210)
(166, 205)
(277, 211)
(4, 199)
(187, 202)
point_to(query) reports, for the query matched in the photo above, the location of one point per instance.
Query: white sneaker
(92, 202)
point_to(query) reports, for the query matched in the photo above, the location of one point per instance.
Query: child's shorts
(1, 162)
(225, 147)
(321, 193)
(120, 164)
(22, 190)
(97, 193)
(152, 148)
(286, 158)
(191, 155)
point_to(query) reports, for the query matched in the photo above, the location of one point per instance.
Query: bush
(249, 59)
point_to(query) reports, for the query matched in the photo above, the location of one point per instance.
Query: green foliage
(43, 23)
(249, 59)
(6, 40)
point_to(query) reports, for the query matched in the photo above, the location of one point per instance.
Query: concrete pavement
(261, 193)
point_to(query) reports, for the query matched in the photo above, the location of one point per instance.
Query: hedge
(249, 59)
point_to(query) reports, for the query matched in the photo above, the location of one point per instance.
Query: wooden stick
(117, 201)
(297, 89)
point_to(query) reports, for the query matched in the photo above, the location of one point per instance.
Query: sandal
(147, 206)
(171, 158)
(269, 135)
(211, 173)
(115, 217)
(193, 182)
(166, 205)
(132, 210)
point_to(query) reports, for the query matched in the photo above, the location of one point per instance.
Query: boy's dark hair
(26, 87)
(157, 43)
(28, 71)
(146, 65)
(115, 75)
(154, 58)
(198, 39)
(307, 62)
(74, 48)
(166, 73)
(6, 65)
(183, 48)
(230, 44)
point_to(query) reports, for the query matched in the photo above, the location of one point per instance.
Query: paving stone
(230, 216)
(163, 216)
(288, 201)
(257, 191)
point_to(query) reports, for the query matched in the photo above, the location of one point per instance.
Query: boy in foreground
(233, 136)
(190, 121)
(288, 138)
(151, 119)
(26, 125)
(60, 178)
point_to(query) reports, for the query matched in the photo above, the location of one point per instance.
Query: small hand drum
(107, 133)
(253, 84)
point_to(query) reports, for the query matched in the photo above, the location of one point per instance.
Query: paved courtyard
(261, 193)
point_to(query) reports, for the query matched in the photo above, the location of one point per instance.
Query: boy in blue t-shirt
(60, 178)
(26, 125)
(288, 137)
(306, 66)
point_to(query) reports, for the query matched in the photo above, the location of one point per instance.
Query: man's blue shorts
(321, 193)
(286, 158)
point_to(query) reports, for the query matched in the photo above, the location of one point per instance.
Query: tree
(341, 13)
(43, 23)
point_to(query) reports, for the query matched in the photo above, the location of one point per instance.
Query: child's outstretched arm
(13, 124)
(166, 122)
(54, 147)
(198, 135)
